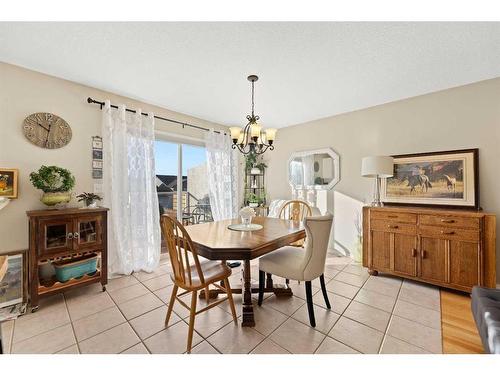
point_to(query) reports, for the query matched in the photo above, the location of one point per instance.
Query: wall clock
(47, 130)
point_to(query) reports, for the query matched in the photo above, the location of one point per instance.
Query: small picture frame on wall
(444, 179)
(97, 174)
(97, 162)
(8, 183)
(13, 278)
(97, 154)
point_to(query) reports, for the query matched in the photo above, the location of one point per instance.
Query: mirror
(318, 169)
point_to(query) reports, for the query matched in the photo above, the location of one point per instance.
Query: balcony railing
(194, 210)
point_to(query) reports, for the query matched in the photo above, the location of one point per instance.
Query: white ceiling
(307, 70)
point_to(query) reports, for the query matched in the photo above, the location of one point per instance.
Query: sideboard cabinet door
(433, 259)
(405, 254)
(380, 250)
(465, 263)
(55, 235)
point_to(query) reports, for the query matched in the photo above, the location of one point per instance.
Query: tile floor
(369, 315)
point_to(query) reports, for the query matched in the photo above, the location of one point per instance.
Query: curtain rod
(184, 124)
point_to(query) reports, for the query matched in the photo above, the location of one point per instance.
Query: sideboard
(444, 247)
(59, 234)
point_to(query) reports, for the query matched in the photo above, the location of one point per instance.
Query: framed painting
(13, 278)
(8, 183)
(444, 178)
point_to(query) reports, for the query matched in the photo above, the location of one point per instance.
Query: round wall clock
(47, 130)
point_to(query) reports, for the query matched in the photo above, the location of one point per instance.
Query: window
(181, 181)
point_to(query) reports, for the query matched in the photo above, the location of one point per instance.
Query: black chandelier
(251, 139)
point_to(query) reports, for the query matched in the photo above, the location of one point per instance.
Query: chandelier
(251, 138)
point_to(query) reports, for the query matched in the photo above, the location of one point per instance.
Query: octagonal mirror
(317, 169)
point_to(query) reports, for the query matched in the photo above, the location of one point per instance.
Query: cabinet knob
(69, 236)
(392, 226)
(422, 254)
(414, 252)
(76, 235)
(447, 221)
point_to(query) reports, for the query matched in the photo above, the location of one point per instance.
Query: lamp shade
(377, 166)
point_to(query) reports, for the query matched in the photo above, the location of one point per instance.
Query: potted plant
(253, 200)
(253, 162)
(90, 199)
(55, 182)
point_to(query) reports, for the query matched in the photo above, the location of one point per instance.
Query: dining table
(215, 241)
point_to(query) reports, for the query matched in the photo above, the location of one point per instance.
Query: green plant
(253, 160)
(88, 198)
(52, 179)
(253, 198)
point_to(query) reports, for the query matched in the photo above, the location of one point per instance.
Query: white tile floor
(369, 315)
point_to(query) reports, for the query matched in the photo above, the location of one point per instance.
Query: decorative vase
(51, 199)
(255, 171)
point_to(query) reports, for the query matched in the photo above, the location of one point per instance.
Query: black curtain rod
(184, 124)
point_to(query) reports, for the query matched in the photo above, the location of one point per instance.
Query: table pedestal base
(247, 289)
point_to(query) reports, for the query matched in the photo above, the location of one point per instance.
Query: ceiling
(307, 70)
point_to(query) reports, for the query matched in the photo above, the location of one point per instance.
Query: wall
(462, 117)
(23, 92)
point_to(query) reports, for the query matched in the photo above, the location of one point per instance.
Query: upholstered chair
(302, 264)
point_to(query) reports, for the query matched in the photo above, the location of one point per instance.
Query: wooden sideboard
(444, 247)
(63, 234)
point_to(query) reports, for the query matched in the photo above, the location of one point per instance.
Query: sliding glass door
(181, 181)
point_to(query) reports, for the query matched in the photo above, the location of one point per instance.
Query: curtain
(222, 175)
(129, 188)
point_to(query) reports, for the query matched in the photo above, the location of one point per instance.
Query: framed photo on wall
(444, 178)
(8, 183)
(13, 278)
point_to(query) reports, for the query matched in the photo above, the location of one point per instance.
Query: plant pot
(92, 204)
(253, 204)
(51, 199)
(255, 171)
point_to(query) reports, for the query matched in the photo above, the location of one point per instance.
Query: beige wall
(23, 92)
(463, 117)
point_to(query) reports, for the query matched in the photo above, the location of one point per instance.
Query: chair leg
(287, 282)
(310, 307)
(323, 289)
(171, 304)
(262, 279)
(230, 299)
(207, 294)
(192, 314)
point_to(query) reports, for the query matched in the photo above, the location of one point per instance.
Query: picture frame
(13, 278)
(9, 182)
(438, 179)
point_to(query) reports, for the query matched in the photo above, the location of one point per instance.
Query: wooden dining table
(215, 241)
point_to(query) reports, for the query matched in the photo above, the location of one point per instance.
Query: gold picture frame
(8, 183)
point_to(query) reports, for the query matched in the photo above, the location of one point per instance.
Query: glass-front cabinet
(88, 231)
(60, 235)
(56, 235)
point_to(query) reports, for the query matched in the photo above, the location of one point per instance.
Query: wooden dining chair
(306, 264)
(295, 210)
(191, 275)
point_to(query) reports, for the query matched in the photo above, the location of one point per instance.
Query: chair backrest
(181, 251)
(318, 235)
(295, 210)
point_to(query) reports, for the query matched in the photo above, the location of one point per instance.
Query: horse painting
(421, 181)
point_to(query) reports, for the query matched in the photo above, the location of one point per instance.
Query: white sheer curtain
(222, 171)
(130, 191)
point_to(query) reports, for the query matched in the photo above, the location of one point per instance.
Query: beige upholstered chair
(300, 264)
(192, 275)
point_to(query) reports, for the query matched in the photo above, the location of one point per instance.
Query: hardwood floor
(459, 330)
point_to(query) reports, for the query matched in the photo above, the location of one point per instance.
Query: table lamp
(377, 167)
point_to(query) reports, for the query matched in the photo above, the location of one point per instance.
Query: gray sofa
(486, 311)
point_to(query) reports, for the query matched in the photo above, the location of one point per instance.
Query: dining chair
(295, 210)
(191, 275)
(306, 264)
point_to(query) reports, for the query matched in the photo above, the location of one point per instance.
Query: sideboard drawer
(450, 233)
(450, 221)
(384, 226)
(400, 217)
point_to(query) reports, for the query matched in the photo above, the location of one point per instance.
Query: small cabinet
(66, 234)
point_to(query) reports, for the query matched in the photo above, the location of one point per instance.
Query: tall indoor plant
(55, 182)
